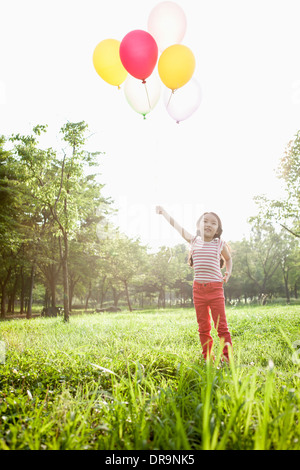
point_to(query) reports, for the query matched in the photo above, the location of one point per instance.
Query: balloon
(176, 66)
(107, 62)
(167, 24)
(182, 103)
(139, 53)
(142, 97)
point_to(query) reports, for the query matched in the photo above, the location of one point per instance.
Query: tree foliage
(286, 211)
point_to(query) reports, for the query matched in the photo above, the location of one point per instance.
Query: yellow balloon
(107, 62)
(176, 66)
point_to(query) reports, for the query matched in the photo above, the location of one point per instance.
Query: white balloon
(142, 97)
(182, 103)
(167, 24)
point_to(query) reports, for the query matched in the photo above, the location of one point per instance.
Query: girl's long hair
(217, 235)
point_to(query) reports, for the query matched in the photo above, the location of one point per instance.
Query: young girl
(208, 253)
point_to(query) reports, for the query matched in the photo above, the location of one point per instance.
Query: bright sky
(247, 62)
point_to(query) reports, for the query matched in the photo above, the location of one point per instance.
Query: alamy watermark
(141, 219)
(2, 352)
(296, 354)
(2, 93)
(296, 92)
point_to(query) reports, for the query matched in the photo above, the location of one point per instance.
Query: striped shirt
(206, 259)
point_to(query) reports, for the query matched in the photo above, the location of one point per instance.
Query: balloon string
(172, 93)
(144, 82)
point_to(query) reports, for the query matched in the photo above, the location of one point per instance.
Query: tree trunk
(66, 290)
(3, 301)
(102, 292)
(127, 296)
(29, 309)
(9, 304)
(53, 294)
(88, 296)
(287, 292)
(72, 284)
(14, 292)
(64, 260)
(116, 296)
(22, 296)
(3, 292)
(164, 298)
(47, 298)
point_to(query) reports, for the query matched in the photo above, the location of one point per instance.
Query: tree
(294, 274)
(290, 261)
(262, 256)
(240, 285)
(59, 197)
(287, 210)
(11, 239)
(163, 273)
(126, 260)
(31, 166)
(183, 273)
(49, 264)
(67, 193)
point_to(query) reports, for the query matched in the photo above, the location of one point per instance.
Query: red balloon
(139, 53)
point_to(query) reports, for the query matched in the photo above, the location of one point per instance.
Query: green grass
(137, 381)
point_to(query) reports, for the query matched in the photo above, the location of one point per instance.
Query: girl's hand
(159, 210)
(226, 277)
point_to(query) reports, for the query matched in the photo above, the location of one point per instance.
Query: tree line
(56, 238)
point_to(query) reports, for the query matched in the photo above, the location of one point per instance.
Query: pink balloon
(139, 53)
(167, 24)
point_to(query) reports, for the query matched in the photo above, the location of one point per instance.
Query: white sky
(247, 62)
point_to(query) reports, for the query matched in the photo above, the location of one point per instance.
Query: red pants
(211, 296)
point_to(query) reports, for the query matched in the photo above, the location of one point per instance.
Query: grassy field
(136, 381)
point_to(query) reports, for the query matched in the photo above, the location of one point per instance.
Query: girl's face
(208, 227)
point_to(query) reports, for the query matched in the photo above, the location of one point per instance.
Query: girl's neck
(205, 239)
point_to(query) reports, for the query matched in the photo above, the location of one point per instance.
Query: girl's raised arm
(186, 235)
